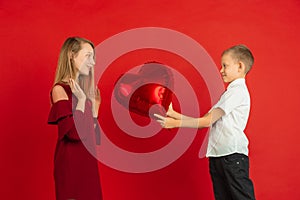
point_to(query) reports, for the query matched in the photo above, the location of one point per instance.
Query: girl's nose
(92, 61)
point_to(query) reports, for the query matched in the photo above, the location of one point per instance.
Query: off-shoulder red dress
(76, 172)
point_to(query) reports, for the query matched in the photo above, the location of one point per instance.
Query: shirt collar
(239, 81)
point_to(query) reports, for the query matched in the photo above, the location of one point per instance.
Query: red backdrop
(32, 33)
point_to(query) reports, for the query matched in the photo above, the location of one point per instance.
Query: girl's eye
(89, 56)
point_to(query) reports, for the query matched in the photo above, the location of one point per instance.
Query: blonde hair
(242, 54)
(65, 67)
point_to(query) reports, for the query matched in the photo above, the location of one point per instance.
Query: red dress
(75, 169)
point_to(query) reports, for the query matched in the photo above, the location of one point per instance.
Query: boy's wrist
(188, 123)
(178, 123)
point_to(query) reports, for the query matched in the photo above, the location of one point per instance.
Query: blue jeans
(230, 177)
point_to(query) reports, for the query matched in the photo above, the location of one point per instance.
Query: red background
(32, 33)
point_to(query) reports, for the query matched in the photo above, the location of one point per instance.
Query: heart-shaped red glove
(147, 92)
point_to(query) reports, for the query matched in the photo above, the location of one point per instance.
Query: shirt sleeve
(230, 101)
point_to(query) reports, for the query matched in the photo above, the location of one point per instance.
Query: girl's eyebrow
(89, 52)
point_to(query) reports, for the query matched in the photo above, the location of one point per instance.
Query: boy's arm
(175, 115)
(189, 122)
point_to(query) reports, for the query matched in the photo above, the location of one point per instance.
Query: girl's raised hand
(76, 90)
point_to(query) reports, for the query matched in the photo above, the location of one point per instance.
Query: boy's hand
(170, 111)
(167, 122)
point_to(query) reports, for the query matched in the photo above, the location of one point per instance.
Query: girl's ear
(71, 55)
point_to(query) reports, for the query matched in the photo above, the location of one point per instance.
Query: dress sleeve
(59, 110)
(61, 115)
(74, 125)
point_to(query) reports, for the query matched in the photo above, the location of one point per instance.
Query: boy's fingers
(160, 121)
(159, 116)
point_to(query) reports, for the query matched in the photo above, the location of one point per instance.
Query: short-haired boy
(228, 145)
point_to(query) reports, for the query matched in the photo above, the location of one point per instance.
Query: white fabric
(227, 134)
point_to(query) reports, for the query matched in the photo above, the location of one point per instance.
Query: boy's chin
(229, 80)
(225, 80)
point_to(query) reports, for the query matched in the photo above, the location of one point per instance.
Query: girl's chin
(85, 73)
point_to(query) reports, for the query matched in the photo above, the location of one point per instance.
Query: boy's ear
(242, 67)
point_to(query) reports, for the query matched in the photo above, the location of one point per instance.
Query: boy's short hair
(241, 53)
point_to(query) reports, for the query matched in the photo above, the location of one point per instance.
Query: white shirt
(227, 134)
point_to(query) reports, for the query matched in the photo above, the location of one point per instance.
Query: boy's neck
(228, 83)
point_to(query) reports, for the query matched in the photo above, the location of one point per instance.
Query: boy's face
(231, 69)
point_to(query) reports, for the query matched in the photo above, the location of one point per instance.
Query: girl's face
(231, 69)
(84, 59)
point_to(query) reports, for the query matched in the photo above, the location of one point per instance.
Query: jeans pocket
(237, 164)
(234, 158)
(231, 158)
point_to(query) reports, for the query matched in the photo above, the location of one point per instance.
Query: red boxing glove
(147, 92)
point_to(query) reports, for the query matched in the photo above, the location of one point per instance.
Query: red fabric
(75, 169)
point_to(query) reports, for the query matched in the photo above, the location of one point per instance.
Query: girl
(74, 110)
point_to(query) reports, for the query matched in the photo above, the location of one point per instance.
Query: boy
(228, 145)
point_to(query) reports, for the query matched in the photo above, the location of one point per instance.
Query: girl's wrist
(82, 99)
(80, 105)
